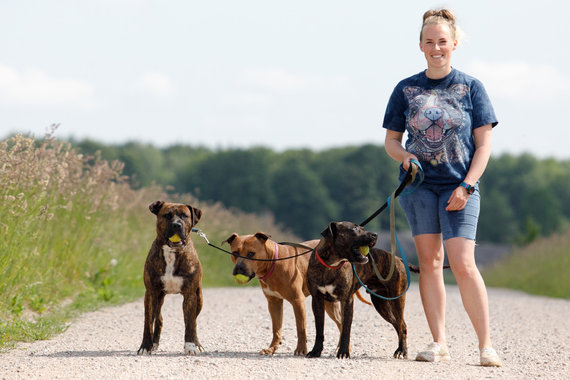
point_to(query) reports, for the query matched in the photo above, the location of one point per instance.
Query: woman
(449, 118)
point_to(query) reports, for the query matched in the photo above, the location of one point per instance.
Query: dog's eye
(184, 216)
(235, 253)
(168, 215)
(250, 254)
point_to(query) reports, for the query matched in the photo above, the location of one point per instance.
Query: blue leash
(404, 258)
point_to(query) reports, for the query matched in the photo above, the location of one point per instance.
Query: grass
(540, 268)
(74, 236)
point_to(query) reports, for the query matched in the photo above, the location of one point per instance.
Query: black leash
(405, 182)
(296, 245)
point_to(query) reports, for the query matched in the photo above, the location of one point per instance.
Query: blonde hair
(442, 16)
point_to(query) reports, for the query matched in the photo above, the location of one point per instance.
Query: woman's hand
(407, 160)
(457, 200)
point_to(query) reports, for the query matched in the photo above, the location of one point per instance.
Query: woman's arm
(394, 148)
(483, 139)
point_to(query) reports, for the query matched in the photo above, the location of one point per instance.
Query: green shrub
(540, 268)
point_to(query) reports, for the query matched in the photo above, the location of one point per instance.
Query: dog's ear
(196, 214)
(262, 236)
(330, 231)
(155, 207)
(230, 239)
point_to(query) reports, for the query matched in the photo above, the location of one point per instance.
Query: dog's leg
(334, 312)
(347, 312)
(300, 318)
(317, 303)
(157, 317)
(192, 305)
(147, 342)
(275, 306)
(393, 313)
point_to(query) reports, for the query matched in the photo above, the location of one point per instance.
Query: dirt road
(532, 335)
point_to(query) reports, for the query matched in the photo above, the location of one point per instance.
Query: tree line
(522, 197)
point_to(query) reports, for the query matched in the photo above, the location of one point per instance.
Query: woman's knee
(430, 252)
(461, 255)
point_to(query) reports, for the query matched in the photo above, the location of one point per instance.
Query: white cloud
(521, 81)
(157, 84)
(33, 87)
(277, 79)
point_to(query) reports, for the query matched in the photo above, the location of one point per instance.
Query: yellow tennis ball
(241, 279)
(174, 238)
(364, 249)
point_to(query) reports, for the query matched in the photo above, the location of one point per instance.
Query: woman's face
(437, 44)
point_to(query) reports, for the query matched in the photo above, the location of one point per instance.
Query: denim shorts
(426, 214)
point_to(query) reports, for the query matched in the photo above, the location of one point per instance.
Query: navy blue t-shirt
(440, 115)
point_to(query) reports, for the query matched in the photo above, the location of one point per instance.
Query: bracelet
(470, 189)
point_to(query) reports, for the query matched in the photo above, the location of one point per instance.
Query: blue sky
(281, 74)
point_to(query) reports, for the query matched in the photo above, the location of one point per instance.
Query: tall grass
(74, 236)
(540, 268)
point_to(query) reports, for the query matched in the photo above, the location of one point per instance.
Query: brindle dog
(172, 266)
(329, 280)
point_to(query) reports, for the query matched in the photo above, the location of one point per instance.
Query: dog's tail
(362, 299)
(416, 269)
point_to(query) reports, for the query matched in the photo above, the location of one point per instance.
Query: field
(74, 236)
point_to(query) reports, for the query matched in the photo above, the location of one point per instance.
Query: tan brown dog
(329, 280)
(172, 266)
(279, 280)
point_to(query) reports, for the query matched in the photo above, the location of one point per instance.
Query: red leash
(325, 264)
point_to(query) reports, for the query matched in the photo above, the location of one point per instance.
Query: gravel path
(532, 335)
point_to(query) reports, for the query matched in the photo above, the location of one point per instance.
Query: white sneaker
(435, 352)
(489, 358)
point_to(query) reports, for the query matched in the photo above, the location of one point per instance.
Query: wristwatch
(470, 189)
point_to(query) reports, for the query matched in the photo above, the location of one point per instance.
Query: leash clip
(201, 234)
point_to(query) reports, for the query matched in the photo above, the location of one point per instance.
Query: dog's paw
(315, 353)
(301, 351)
(192, 349)
(268, 351)
(401, 354)
(343, 354)
(145, 350)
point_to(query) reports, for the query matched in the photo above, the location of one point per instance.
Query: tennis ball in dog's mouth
(241, 279)
(174, 238)
(364, 249)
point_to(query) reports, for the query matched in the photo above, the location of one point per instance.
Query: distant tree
(236, 178)
(301, 201)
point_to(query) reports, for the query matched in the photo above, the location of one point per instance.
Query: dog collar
(327, 265)
(275, 256)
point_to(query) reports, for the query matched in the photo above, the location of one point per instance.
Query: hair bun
(443, 13)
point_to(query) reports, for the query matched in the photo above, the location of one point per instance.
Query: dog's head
(248, 247)
(174, 222)
(347, 241)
